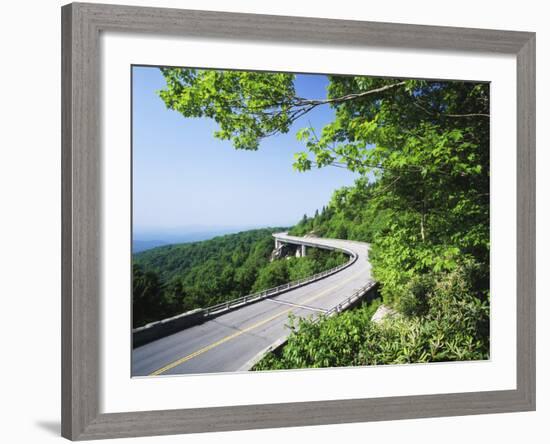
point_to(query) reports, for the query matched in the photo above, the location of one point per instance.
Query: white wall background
(30, 220)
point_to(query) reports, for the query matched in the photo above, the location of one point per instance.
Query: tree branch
(347, 97)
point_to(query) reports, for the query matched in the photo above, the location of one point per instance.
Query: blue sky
(184, 179)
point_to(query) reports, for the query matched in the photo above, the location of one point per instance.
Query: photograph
(275, 222)
(286, 221)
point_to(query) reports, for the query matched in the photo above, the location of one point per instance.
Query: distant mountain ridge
(146, 240)
(142, 245)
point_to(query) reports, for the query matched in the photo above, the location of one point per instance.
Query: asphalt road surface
(228, 342)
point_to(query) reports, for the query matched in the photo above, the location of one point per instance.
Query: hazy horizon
(201, 228)
(168, 232)
(147, 239)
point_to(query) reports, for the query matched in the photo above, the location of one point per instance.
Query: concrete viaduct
(233, 336)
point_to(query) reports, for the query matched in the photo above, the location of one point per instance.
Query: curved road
(228, 342)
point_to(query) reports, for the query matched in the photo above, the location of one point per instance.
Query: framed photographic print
(278, 221)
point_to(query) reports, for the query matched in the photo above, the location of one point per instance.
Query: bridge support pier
(301, 251)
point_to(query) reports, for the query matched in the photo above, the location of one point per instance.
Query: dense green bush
(292, 268)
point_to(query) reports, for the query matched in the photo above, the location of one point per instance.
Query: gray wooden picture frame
(81, 172)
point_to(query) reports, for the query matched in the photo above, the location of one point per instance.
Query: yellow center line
(247, 329)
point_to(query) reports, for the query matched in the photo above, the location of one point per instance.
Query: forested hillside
(173, 279)
(421, 149)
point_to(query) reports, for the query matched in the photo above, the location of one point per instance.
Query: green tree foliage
(147, 302)
(421, 149)
(247, 105)
(174, 279)
(272, 275)
(350, 214)
(292, 268)
(198, 274)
